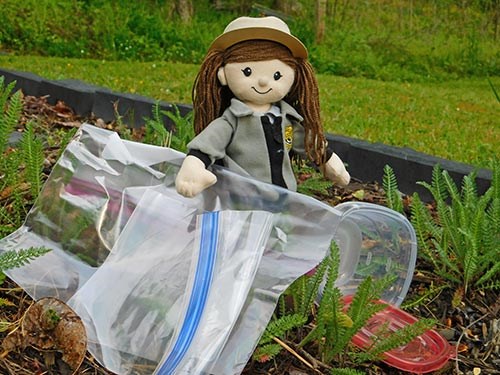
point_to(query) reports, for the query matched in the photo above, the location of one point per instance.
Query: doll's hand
(335, 171)
(193, 178)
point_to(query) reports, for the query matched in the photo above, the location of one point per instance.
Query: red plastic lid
(426, 353)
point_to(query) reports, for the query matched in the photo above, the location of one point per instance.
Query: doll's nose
(263, 82)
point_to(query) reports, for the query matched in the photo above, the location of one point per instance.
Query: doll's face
(259, 83)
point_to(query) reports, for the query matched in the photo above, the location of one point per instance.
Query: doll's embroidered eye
(247, 71)
(277, 76)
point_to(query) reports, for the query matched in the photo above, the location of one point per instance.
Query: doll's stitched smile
(259, 92)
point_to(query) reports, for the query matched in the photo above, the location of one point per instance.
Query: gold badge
(288, 137)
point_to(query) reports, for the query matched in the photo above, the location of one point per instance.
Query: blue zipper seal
(201, 285)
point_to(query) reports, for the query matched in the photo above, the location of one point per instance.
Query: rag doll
(256, 103)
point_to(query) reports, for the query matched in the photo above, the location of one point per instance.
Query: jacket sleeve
(210, 145)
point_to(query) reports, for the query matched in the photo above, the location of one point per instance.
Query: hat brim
(230, 38)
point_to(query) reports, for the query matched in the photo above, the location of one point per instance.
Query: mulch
(472, 325)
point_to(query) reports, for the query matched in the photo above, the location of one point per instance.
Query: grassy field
(458, 119)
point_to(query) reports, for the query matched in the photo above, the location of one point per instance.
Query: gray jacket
(238, 139)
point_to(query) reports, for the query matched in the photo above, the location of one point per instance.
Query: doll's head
(259, 39)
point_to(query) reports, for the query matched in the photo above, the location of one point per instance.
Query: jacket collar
(240, 109)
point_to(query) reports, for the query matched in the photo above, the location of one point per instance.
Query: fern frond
(155, 131)
(266, 352)
(360, 301)
(422, 222)
(391, 340)
(390, 186)
(281, 326)
(471, 260)
(13, 259)
(9, 118)
(312, 288)
(469, 190)
(5, 91)
(32, 153)
(489, 275)
(184, 129)
(491, 285)
(437, 187)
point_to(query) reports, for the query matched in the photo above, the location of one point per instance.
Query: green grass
(457, 120)
(381, 39)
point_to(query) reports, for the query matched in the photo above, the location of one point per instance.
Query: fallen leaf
(359, 194)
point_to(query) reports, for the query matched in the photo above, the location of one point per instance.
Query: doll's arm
(193, 178)
(335, 171)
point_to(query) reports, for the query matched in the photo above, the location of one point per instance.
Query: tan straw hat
(250, 28)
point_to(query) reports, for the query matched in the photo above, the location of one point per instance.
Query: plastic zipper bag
(171, 290)
(98, 203)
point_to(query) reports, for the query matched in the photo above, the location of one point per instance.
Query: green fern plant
(157, 134)
(315, 184)
(33, 157)
(390, 186)
(334, 325)
(21, 166)
(14, 259)
(279, 327)
(10, 111)
(462, 240)
(183, 129)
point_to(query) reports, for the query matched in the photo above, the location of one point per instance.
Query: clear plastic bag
(96, 211)
(126, 249)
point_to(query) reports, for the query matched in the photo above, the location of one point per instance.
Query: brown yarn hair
(210, 98)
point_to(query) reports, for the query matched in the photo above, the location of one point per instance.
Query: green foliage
(178, 137)
(315, 184)
(462, 240)
(10, 111)
(266, 352)
(375, 39)
(32, 154)
(390, 185)
(280, 327)
(493, 88)
(345, 371)
(400, 114)
(14, 259)
(20, 165)
(156, 133)
(334, 324)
